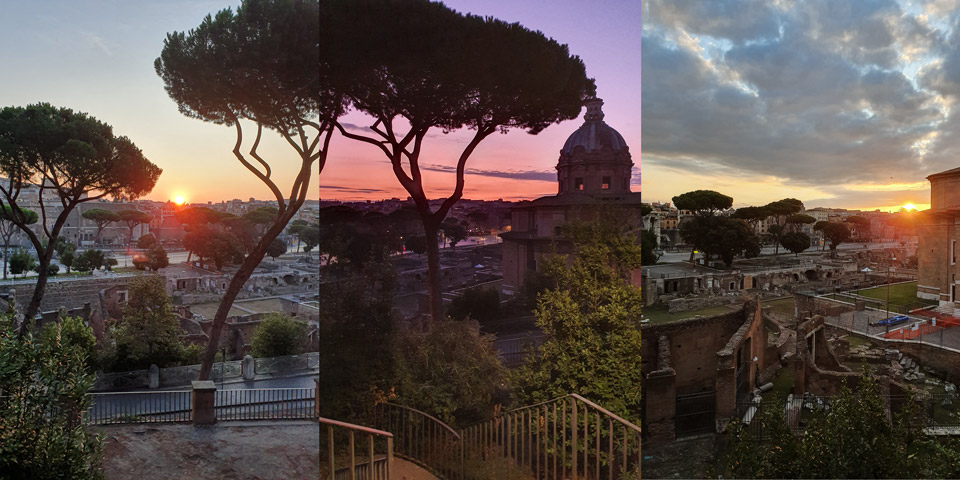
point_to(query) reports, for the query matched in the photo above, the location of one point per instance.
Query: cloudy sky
(96, 56)
(838, 103)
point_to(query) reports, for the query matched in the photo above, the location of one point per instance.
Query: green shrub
(279, 335)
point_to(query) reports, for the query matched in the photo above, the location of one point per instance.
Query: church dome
(594, 134)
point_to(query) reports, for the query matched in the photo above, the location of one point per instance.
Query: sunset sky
(96, 56)
(844, 104)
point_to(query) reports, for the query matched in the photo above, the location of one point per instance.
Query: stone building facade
(593, 175)
(938, 271)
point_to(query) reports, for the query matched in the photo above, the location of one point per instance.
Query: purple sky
(606, 35)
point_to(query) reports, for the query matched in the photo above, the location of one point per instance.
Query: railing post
(202, 405)
(389, 456)
(316, 399)
(331, 452)
(573, 441)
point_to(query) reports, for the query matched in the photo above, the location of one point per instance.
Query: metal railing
(568, 437)
(514, 352)
(374, 462)
(265, 403)
(422, 439)
(138, 407)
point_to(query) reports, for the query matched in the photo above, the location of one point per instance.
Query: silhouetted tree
(76, 158)
(132, 218)
(428, 67)
(262, 63)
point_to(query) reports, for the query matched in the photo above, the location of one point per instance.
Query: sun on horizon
(179, 200)
(909, 207)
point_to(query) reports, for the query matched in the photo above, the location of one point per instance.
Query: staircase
(568, 437)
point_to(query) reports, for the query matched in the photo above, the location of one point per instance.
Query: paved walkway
(404, 470)
(258, 450)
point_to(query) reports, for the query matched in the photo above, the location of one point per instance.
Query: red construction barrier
(908, 333)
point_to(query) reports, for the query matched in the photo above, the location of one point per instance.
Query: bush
(89, 260)
(21, 262)
(279, 335)
(449, 370)
(480, 304)
(70, 332)
(52, 270)
(41, 436)
(146, 241)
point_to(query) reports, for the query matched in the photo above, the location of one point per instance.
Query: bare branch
(482, 132)
(253, 150)
(237, 153)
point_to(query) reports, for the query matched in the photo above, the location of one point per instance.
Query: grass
(856, 341)
(782, 384)
(900, 294)
(784, 306)
(658, 315)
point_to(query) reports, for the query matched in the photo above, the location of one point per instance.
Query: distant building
(593, 173)
(937, 252)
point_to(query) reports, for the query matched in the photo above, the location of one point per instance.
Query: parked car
(894, 320)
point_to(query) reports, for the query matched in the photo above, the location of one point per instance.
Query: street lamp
(887, 320)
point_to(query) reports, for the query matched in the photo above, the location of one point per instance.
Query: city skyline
(843, 104)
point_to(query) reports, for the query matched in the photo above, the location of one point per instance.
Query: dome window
(578, 183)
(605, 185)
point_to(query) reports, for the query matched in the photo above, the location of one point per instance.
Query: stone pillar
(661, 393)
(249, 367)
(153, 377)
(202, 399)
(726, 387)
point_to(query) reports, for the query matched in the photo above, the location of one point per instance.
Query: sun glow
(909, 207)
(179, 200)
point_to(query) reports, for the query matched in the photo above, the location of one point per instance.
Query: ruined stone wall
(693, 347)
(67, 293)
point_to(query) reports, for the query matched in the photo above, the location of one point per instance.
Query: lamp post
(887, 320)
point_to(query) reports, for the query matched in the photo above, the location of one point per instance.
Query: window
(122, 297)
(953, 252)
(605, 184)
(578, 183)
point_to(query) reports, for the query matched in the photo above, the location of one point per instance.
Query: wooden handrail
(424, 414)
(356, 428)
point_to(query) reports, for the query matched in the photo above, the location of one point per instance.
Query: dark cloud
(342, 189)
(832, 97)
(538, 175)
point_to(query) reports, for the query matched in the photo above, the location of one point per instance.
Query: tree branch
(237, 153)
(482, 132)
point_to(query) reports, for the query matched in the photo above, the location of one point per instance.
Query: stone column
(249, 367)
(202, 399)
(153, 377)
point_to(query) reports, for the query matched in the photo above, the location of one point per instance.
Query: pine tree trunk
(433, 270)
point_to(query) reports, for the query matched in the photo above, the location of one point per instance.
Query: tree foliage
(480, 304)
(101, 217)
(89, 260)
(853, 440)
(781, 210)
(45, 385)
(22, 262)
(703, 202)
(132, 218)
(149, 332)
(649, 244)
(277, 247)
(278, 335)
(8, 227)
(157, 258)
(71, 332)
(836, 233)
(592, 319)
(796, 242)
(449, 369)
(730, 238)
(146, 241)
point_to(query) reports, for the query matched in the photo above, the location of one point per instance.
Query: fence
(695, 413)
(422, 439)
(264, 403)
(567, 437)
(139, 407)
(514, 352)
(369, 465)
